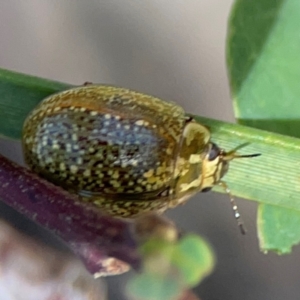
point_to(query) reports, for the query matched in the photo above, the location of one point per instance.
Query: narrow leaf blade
(19, 94)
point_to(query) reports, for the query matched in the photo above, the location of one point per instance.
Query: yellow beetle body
(123, 151)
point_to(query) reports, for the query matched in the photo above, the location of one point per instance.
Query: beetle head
(216, 164)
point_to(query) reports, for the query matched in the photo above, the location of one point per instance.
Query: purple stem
(90, 234)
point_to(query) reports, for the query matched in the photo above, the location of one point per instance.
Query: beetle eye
(214, 152)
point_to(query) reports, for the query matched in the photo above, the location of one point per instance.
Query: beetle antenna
(234, 207)
(232, 153)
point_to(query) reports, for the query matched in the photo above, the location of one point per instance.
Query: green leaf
(278, 229)
(194, 258)
(263, 62)
(150, 286)
(19, 94)
(273, 177)
(169, 267)
(264, 68)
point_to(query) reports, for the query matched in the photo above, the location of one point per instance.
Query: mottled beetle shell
(123, 151)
